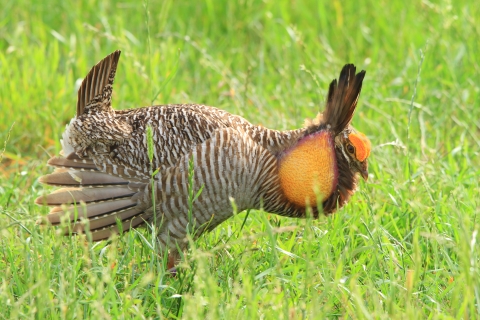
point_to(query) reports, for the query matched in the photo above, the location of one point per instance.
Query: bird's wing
(199, 191)
(228, 172)
(176, 130)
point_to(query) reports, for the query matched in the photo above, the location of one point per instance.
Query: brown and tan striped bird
(104, 171)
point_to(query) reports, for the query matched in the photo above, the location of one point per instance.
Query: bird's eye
(350, 148)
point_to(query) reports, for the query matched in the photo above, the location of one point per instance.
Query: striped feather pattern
(104, 177)
(96, 90)
(228, 166)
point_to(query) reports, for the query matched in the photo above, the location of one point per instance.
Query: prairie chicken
(105, 171)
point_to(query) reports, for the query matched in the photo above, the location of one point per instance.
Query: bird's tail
(91, 200)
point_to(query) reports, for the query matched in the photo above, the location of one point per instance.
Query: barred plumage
(105, 171)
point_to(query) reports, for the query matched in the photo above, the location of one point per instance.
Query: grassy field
(406, 246)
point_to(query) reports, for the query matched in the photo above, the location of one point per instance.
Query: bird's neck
(307, 171)
(305, 177)
(275, 141)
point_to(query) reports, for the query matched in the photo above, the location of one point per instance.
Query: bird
(202, 162)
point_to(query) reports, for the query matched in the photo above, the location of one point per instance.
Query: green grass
(406, 246)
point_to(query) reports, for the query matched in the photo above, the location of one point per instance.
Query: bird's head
(355, 148)
(326, 160)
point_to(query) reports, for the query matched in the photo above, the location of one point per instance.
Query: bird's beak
(364, 170)
(364, 175)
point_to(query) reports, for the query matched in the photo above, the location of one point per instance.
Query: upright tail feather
(96, 89)
(91, 200)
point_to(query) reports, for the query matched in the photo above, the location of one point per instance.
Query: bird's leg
(172, 259)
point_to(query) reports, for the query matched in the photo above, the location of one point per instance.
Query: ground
(404, 247)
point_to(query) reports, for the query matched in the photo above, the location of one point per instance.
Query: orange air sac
(309, 169)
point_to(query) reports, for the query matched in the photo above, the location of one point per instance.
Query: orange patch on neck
(362, 145)
(309, 169)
